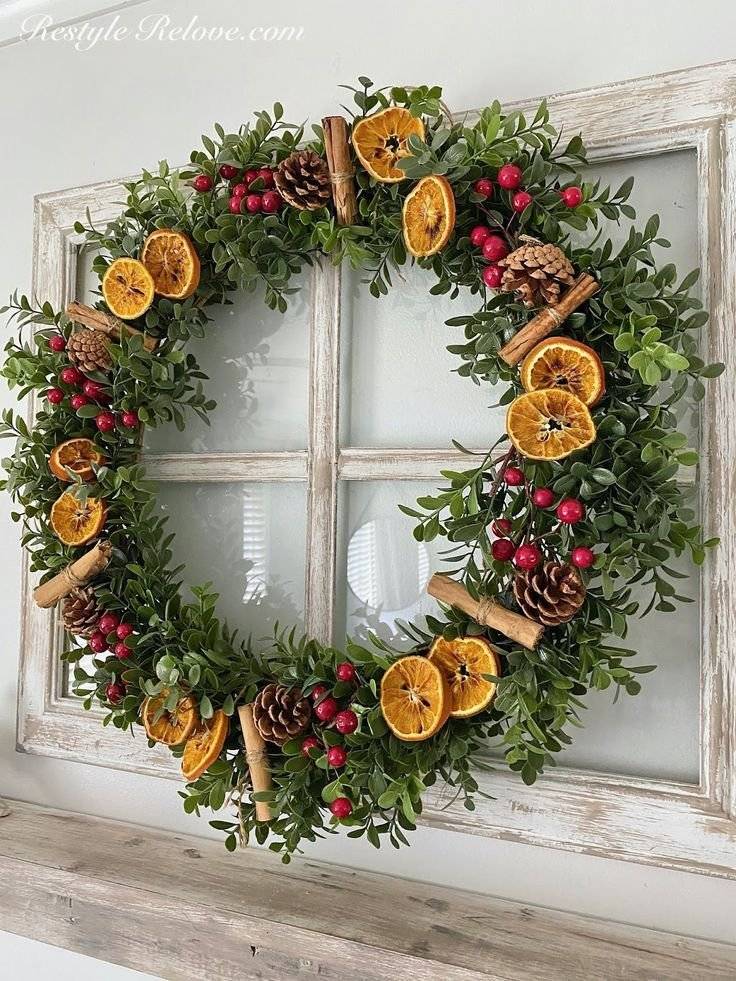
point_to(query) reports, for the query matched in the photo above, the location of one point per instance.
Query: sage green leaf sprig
(643, 323)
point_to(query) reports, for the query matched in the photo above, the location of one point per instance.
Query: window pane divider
(219, 467)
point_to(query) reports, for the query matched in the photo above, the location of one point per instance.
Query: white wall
(71, 118)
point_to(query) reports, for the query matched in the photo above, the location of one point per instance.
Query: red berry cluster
(569, 511)
(251, 190)
(110, 635)
(494, 248)
(85, 391)
(345, 721)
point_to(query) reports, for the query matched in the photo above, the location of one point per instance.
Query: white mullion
(251, 467)
(324, 385)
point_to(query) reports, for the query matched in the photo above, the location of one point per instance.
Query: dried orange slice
(464, 661)
(169, 728)
(204, 746)
(549, 424)
(127, 287)
(172, 261)
(428, 216)
(381, 140)
(75, 457)
(77, 521)
(415, 698)
(559, 362)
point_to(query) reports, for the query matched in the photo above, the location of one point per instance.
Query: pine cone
(303, 179)
(81, 612)
(88, 350)
(536, 271)
(281, 713)
(550, 594)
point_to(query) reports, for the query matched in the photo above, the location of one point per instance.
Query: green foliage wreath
(642, 323)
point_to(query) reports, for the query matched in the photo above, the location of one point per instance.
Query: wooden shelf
(182, 908)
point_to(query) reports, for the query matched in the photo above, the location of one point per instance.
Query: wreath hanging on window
(548, 533)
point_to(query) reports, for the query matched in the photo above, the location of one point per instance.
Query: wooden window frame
(686, 826)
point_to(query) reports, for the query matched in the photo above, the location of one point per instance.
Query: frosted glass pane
(399, 382)
(382, 572)
(249, 541)
(665, 184)
(257, 363)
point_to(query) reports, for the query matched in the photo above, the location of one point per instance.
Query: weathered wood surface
(182, 908)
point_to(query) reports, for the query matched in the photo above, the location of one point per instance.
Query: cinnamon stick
(342, 172)
(106, 323)
(548, 319)
(76, 574)
(512, 625)
(256, 757)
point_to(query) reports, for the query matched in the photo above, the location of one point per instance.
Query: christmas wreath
(548, 532)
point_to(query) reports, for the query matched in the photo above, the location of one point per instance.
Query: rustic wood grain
(664, 823)
(182, 908)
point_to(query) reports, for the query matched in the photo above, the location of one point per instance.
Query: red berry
(513, 476)
(266, 175)
(234, 205)
(122, 652)
(583, 557)
(311, 742)
(495, 248)
(509, 177)
(571, 197)
(56, 343)
(115, 691)
(543, 497)
(478, 235)
(346, 722)
(93, 390)
(501, 527)
(271, 202)
(202, 183)
(124, 630)
(105, 422)
(336, 756)
(249, 176)
(345, 671)
(77, 401)
(527, 557)
(503, 549)
(318, 691)
(108, 623)
(55, 396)
(97, 642)
(239, 190)
(492, 276)
(521, 201)
(570, 510)
(484, 186)
(228, 171)
(326, 710)
(341, 808)
(253, 203)
(130, 420)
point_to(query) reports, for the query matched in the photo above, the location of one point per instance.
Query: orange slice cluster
(465, 662)
(428, 216)
(560, 362)
(381, 140)
(549, 424)
(415, 698)
(75, 458)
